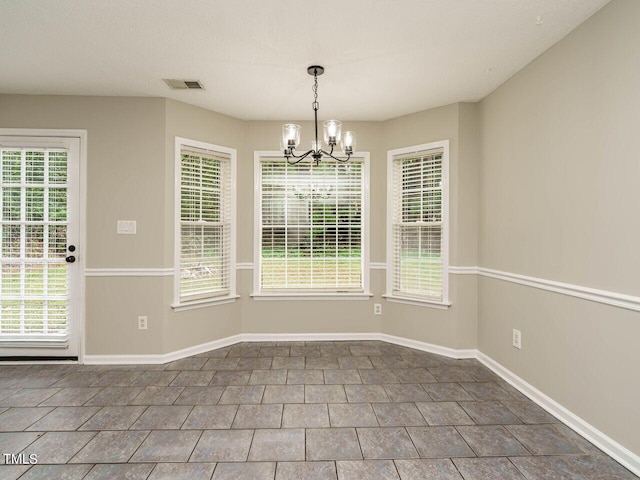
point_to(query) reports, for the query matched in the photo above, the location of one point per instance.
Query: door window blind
(417, 225)
(205, 224)
(311, 226)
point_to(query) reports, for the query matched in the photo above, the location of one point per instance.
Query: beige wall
(559, 201)
(457, 326)
(125, 181)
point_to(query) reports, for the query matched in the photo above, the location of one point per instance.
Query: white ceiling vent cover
(175, 84)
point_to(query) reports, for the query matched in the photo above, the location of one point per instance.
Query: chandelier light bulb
(348, 143)
(332, 131)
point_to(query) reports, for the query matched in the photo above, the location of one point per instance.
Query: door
(40, 288)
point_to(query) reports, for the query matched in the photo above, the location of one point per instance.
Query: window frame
(391, 195)
(214, 298)
(307, 294)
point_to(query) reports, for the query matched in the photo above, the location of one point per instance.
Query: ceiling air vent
(183, 84)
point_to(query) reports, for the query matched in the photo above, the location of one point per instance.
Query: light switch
(126, 227)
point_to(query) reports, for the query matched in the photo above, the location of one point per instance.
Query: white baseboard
(157, 359)
(605, 443)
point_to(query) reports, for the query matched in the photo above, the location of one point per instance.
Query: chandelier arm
(341, 160)
(298, 158)
(303, 155)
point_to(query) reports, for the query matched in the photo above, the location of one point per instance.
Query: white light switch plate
(126, 227)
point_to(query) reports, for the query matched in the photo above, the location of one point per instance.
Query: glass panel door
(38, 228)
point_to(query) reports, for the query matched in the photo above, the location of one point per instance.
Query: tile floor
(287, 410)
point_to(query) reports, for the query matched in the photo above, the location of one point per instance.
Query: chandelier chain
(315, 104)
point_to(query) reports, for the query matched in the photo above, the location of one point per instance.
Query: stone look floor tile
(114, 396)
(63, 472)
(305, 377)
(544, 440)
(182, 471)
(154, 379)
(28, 397)
(167, 446)
(366, 394)
(71, 397)
(237, 395)
(58, 447)
(110, 447)
(406, 393)
(367, 470)
(288, 363)
(529, 412)
(324, 394)
(439, 442)
(113, 418)
(121, 471)
(492, 441)
(157, 396)
(487, 469)
(333, 444)
(447, 392)
(17, 419)
(193, 378)
(199, 396)
(230, 377)
(307, 415)
(211, 417)
(278, 445)
(342, 377)
(238, 471)
(352, 415)
(258, 416)
(601, 467)
(398, 414)
(223, 446)
(268, 377)
(490, 413)
(548, 468)
(162, 417)
(374, 410)
(432, 469)
(444, 413)
(386, 443)
(306, 471)
(283, 394)
(15, 442)
(13, 472)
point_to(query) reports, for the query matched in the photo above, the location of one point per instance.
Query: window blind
(311, 226)
(417, 225)
(205, 223)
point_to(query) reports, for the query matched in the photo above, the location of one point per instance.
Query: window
(311, 226)
(417, 223)
(205, 244)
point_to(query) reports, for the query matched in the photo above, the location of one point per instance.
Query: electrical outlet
(377, 309)
(142, 322)
(517, 339)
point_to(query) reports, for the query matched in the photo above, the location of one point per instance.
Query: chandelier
(332, 133)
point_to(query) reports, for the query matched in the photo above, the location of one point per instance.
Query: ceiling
(382, 58)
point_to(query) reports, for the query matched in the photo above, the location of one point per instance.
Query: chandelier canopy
(332, 133)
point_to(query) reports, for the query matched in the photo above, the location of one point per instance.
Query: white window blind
(417, 225)
(311, 228)
(205, 224)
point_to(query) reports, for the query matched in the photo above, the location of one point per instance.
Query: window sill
(415, 301)
(311, 296)
(207, 302)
